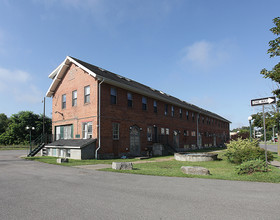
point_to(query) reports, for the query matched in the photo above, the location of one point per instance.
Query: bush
(252, 166)
(240, 151)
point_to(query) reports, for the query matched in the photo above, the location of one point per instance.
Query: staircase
(39, 142)
(36, 150)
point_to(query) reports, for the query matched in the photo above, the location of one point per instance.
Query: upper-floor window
(187, 115)
(193, 116)
(87, 94)
(129, 99)
(172, 111)
(166, 109)
(180, 112)
(74, 98)
(113, 96)
(144, 103)
(155, 106)
(63, 105)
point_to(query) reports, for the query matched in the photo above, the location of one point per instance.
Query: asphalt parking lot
(33, 190)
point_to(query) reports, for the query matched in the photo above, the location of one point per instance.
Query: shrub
(252, 166)
(240, 151)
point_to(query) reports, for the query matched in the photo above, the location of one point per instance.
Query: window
(144, 103)
(63, 106)
(167, 131)
(87, 94)
(193, 116)
(74, 98)
(193, 133)
(172, 111)
(68, 154)
(180, 112)
(129, 99)
(87, 130)
(113, 96)
(155, 106)
(166, 110)
(162, 131)
(116, 131)
(64, 132)
(187, 115)
(149, 133)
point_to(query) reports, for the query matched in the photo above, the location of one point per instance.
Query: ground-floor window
(87, 130)
(116, 131)
(63, 132)
(149, 133)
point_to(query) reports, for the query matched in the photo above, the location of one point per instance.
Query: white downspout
(99, 104)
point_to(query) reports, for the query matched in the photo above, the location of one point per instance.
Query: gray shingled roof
(133, 84)
(72, 142)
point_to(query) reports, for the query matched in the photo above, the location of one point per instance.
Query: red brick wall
(75, 79)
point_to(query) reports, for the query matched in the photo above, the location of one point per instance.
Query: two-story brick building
(124, 116)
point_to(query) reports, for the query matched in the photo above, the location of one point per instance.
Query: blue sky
(208, 53)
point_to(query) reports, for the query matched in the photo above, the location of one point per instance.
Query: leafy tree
(4, 121)
(16, 132)
(274, 51)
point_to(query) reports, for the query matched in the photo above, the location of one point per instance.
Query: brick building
(124, 116)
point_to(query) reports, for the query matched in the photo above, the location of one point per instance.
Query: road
(270, 147)
(33, 190)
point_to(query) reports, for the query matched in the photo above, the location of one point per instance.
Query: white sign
(263, 101)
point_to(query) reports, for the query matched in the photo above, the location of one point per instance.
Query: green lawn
(220, 169)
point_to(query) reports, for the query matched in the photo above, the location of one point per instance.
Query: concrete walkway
(275, 163)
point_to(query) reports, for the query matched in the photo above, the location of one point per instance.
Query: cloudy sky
(208, 53)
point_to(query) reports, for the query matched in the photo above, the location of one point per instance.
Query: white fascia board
(57, 69)
(82, 67)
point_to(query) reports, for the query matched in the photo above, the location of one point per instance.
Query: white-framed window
(144, 103)
(63, 100)
(87, 94)
(167, 131)
(116, 131)
(87, 130)
(129, 99)
(193, 133)
(162, 131)
(149, 133)
(155, 106)
(74, 98)
(113, 96)
(54, 152)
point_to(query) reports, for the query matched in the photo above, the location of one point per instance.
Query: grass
(14, 147)
(220, 169)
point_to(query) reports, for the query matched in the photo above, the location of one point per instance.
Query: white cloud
(19, 86)
(204, 55)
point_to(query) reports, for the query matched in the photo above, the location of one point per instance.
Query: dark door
(156, 135)
(176, 139)
(135, 141)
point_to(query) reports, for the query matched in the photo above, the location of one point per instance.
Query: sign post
(264, 101)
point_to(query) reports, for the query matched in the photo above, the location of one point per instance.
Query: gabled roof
(123, 82)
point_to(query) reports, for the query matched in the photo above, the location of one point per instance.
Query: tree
(274, 51)
(4, 121)
(16, 132)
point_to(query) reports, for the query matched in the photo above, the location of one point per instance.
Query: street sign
(263, 101)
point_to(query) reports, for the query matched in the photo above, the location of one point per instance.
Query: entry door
(176, 139)
(135, 141)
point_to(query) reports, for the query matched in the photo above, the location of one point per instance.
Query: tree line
(13, 129)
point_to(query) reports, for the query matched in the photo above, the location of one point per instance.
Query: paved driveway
(33, 190)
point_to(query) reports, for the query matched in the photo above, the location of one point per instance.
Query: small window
(166, 109)
(162, 131)
(172, 111)
(87, 94)
(187, 115)
(113, 96)
(129, 99)
(144, 103)
(87, 130)
(193, 133)
(74, 98)
(149, 133)
(167, 131)
(116, 131)
(180, 112)
(63, 101)
(155, 106)
(193, 116)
